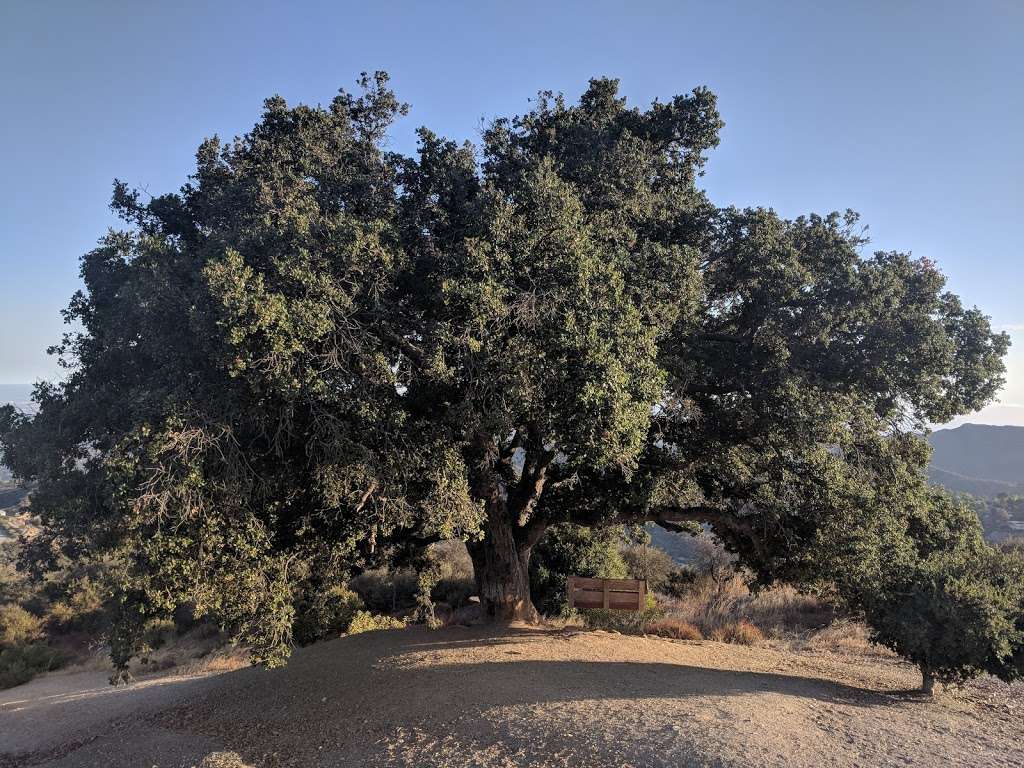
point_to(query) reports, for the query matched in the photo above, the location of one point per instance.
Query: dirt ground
(518, 697)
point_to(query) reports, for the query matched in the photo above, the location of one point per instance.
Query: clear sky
(911, 113)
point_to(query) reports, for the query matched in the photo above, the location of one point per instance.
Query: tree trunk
(501, 566)
(927, 680)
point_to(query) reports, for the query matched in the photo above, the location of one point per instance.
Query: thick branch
(409, 349)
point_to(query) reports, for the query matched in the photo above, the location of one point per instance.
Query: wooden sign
(609, 594)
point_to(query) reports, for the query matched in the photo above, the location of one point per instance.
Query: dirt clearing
(484, 697)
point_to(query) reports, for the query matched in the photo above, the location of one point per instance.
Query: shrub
(846, 635)
(1013, 545)
(782, 609)
(364, 621)
(648, 563)
(443, 574)
(572, 550)
(157, 632)
(631, 622)
(709, 604)
(623, 621)
(952, 617)
(18, 626)
(454, 571)
(83, 608)
(739, 632)
(426, 579)
(679, 580)
(14, 586)
(779, 610)
(20, 663)
(674, 628)
(384, 591)
(327, 613)
(454, 592)
(452, 560)
(932, 590)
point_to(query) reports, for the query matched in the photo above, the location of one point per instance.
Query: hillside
(681, 547)
(11, 496)
(972, 485)
(487, 698)
(979, 459)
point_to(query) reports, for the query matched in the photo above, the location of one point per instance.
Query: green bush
(623, 621)
(452, 560)
(157, 632)
(20, 663)
(327, 613)
(572, 550)
(949, 616)
(454, 592)
(1008, 572)
(444, 574)
(932, 590)
(15, 587)
(679, 581)
(364, 621)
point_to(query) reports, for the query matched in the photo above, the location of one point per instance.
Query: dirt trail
(477, 697)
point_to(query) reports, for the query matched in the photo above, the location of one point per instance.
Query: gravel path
(480, 697)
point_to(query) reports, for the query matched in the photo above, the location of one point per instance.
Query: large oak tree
(319, 348)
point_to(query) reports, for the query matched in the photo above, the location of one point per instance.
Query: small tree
(649, 563)
(950, 617)
(934, 592)
(713, 560)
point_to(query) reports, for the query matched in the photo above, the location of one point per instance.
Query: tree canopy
(318, 349)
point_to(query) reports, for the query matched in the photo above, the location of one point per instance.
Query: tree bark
(927, 680)
(501, 566)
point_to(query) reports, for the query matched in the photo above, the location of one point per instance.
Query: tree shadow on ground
(357, 691)
(411, 687)
(644, 679)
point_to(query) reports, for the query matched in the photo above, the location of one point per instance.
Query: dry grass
(198, 652)
(726, 610)
(740, 632)
(717, 606)
(226, 659)
(674, 628)
(845, 636)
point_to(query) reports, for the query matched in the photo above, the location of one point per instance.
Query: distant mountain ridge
(980, 459)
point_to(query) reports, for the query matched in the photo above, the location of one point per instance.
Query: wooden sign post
(609, 594)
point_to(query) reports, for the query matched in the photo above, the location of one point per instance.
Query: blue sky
(911, 113)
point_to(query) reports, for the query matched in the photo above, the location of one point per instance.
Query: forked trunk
(501, 566)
